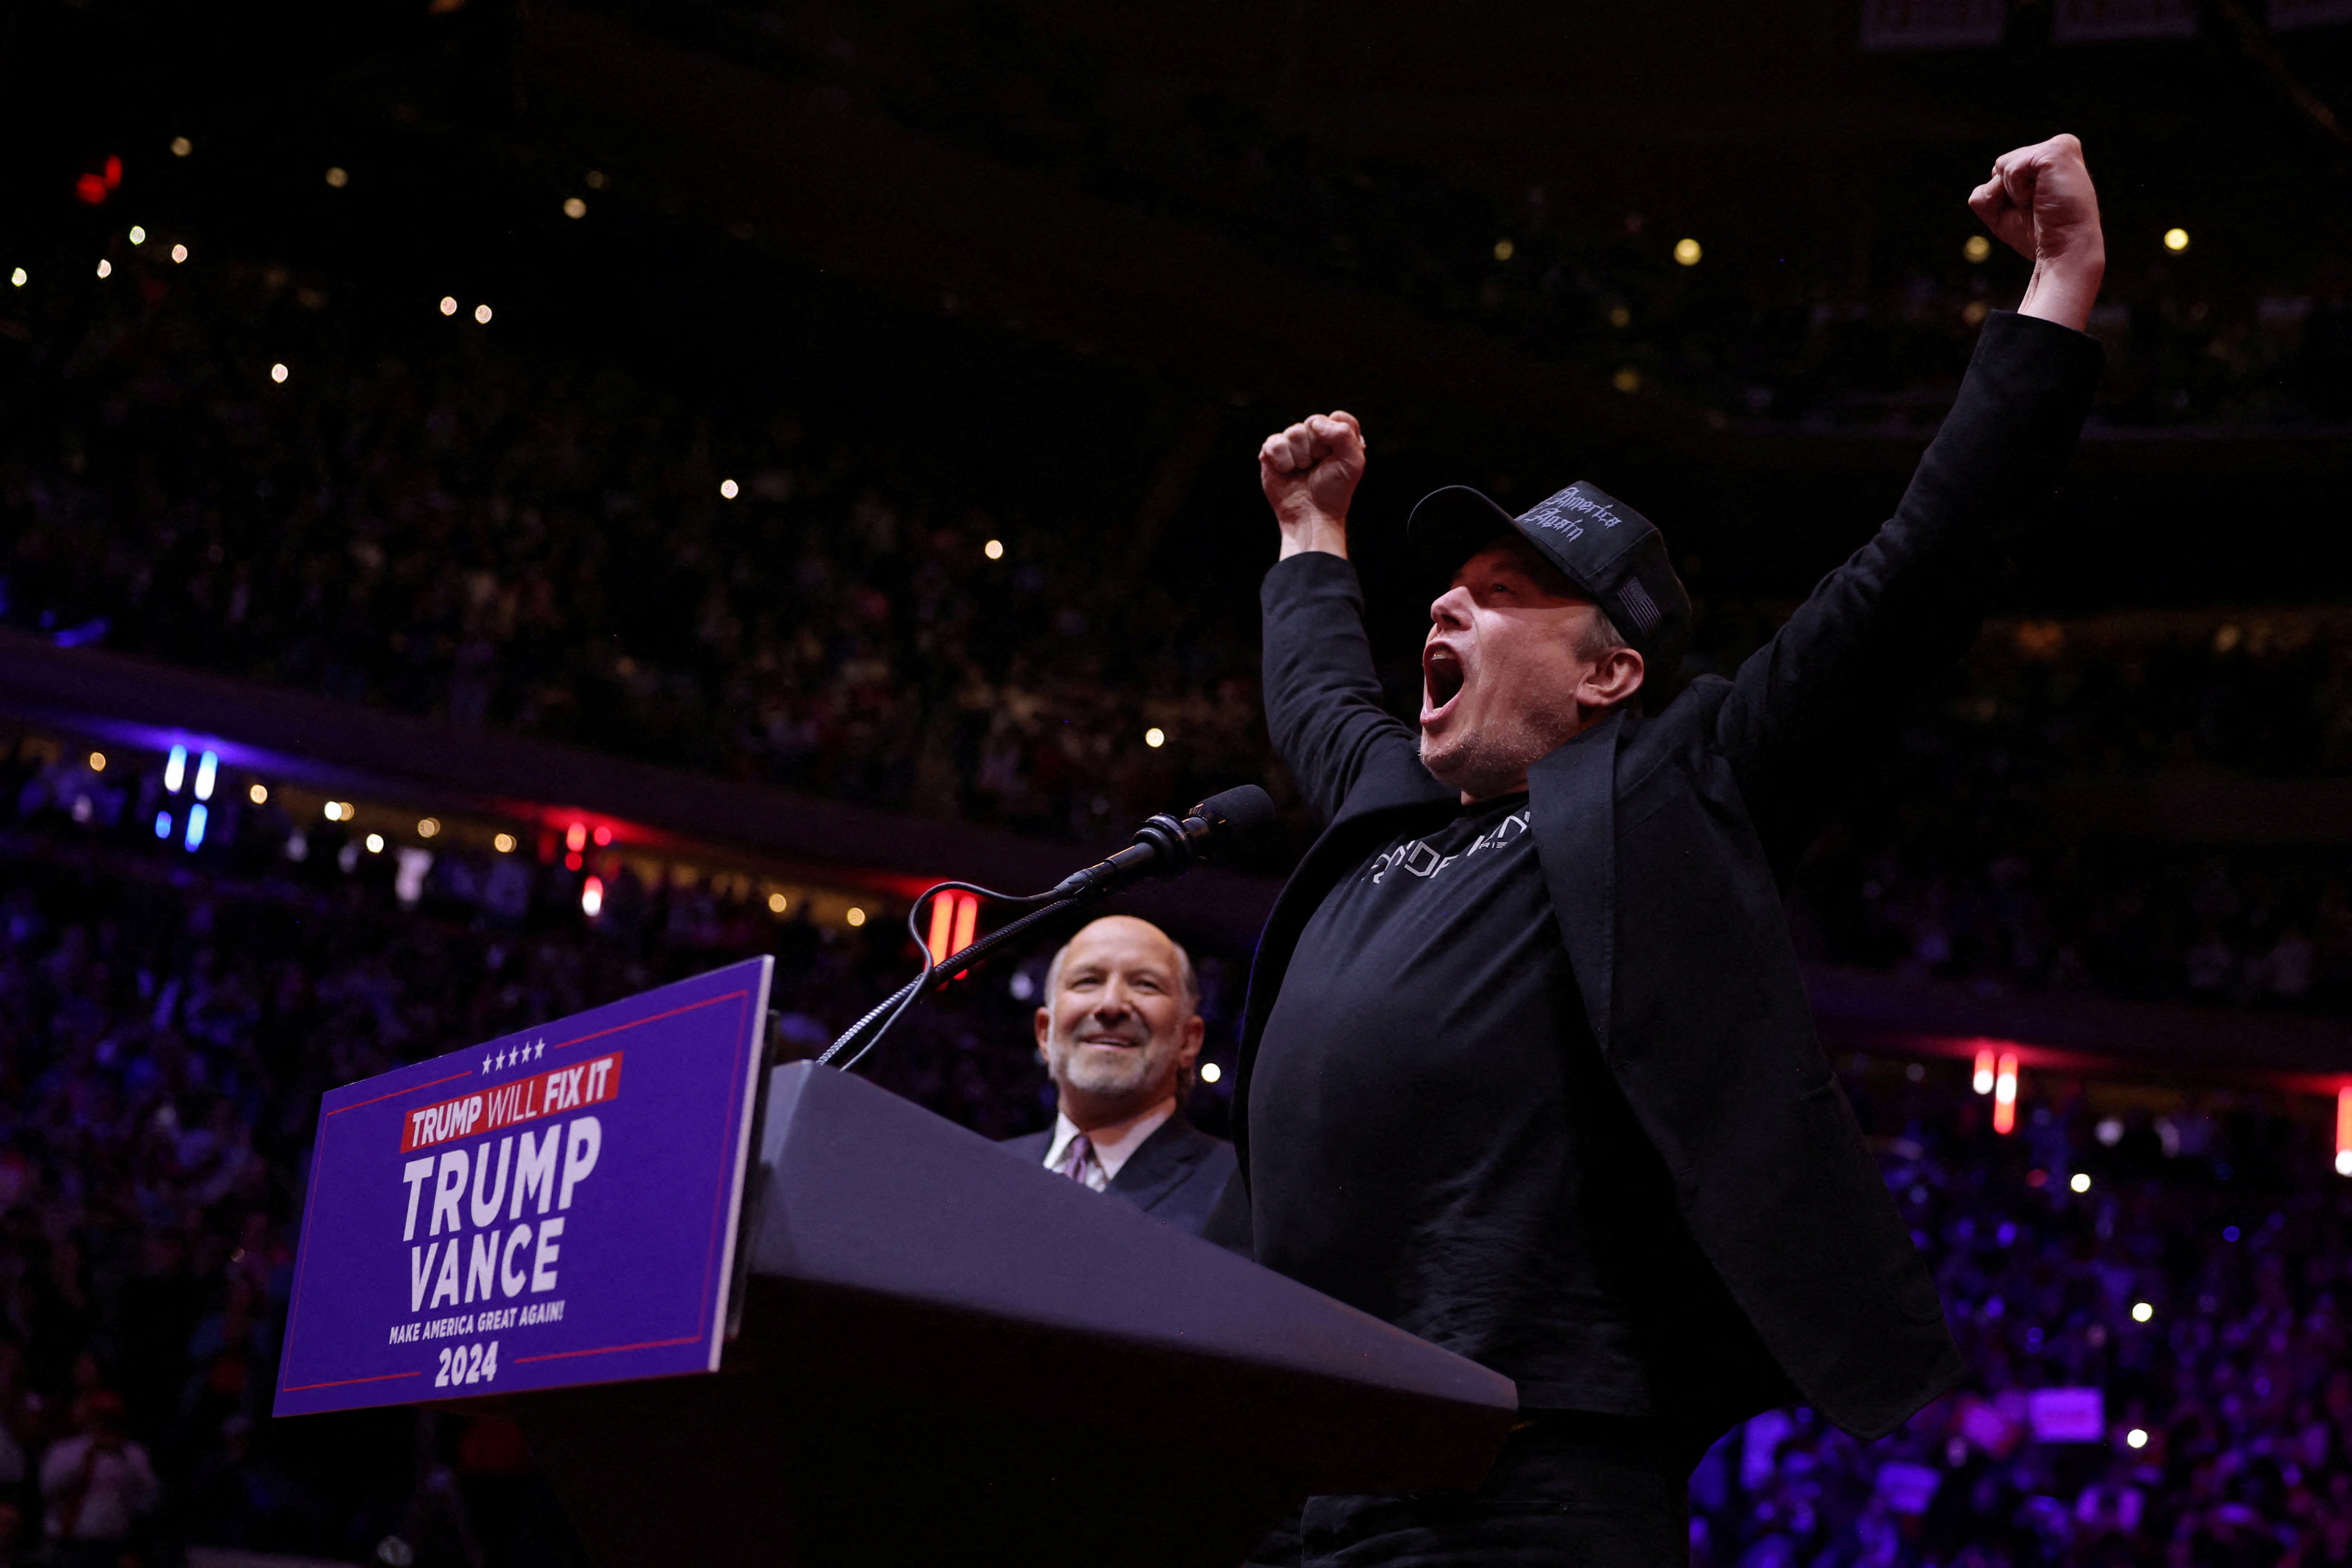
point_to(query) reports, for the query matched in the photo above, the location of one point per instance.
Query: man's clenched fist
(1309, 473)
(2040, 202)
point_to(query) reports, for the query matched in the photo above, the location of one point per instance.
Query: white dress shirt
(1114, 1141)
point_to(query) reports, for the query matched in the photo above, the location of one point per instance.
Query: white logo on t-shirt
(1420, 858)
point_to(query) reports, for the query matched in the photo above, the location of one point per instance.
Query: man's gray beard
(1123, 1075)
(1486, 763)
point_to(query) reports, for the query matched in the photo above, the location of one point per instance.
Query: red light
(2344, 1131)
(91, 189)
(1982, 1080)
(571, 861)
(604, 837)
(942, 925)
(967, 920)
(113, 172)
(954, 919)
(2004, 1094)
(592, 897)
(575, 838)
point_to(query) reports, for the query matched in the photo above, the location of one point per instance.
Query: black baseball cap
(1610, 551)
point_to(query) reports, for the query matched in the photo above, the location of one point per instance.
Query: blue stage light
(176, 768)
(206, 765)
(196, 815)
(162, 824)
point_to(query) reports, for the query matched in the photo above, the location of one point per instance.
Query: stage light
(2229, 1233)
(182, 146)
(178, 254)
(1627, 380)
(1155, 737)
(162, 824)
(258, 795)
(137, 236)
(575, 207)
(2004, 1094)
(176, 768)
(1982, 1080)
(776, 903)
(1211, 1072)
(504, 843)
(338, 178)
(207, 768)
(575, 838)
(1687, 252)
(1619, 316)
(593, 179)
(98, 762)
(375, 843)
(1505, 250)
(856, 916)
(993, 550)
(573, 862)
(278, 374)
(337, 811)
(449, 306)
(2080, 1182)
(482, 314)
(2176, 239)
(2136, 1437)
(195, 834)
(427, 826)
(105, 268)
(967, 923)
(1977, 249)
(729, 489)
(602, 836)
(2344, 1131)
(2142, 1311)
(2344, 1162)
(19, 277)
(592, 897)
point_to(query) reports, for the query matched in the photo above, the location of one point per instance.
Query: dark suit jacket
(1176, 1176)
(1666, 837)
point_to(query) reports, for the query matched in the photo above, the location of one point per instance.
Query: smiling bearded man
(1119, 1031)
(1527, 1066)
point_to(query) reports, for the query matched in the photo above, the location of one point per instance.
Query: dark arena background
(507, 505)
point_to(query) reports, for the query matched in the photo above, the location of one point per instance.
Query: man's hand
(2040, 202)
(1309, 473)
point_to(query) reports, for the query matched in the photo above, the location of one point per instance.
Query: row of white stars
(519, 1054)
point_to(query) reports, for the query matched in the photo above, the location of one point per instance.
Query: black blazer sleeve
(1909, 602)
(1322, 693)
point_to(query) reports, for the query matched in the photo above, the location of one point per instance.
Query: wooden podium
(949, 1355)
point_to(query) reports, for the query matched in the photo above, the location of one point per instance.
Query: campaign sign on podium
(556, 1206)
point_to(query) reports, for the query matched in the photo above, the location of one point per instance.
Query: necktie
(1077, 1159)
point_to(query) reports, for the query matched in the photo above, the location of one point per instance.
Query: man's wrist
(1321, 533)
(2063, 292)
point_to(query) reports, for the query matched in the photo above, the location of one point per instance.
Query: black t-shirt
(1434, 1139)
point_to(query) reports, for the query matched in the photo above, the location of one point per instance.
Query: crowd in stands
(453, 526)
(1605, 290)
(444, 523)
(1966, 865)
(2184, 1274)
(168, 1021)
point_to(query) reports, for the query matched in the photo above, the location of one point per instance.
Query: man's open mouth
(1442, 678)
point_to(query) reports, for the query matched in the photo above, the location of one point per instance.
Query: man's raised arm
(1322, 693)
(1909, 600)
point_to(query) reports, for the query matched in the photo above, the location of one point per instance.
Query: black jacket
(1666, 839)
(1176, 1176)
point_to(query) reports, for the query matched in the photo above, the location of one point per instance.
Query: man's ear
(1044, 1027)
(1196, 1029)
(1615, 678)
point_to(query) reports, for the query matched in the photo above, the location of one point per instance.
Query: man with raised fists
(1527, 1066)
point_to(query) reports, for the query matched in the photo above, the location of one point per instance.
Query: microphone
(1168, 847)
